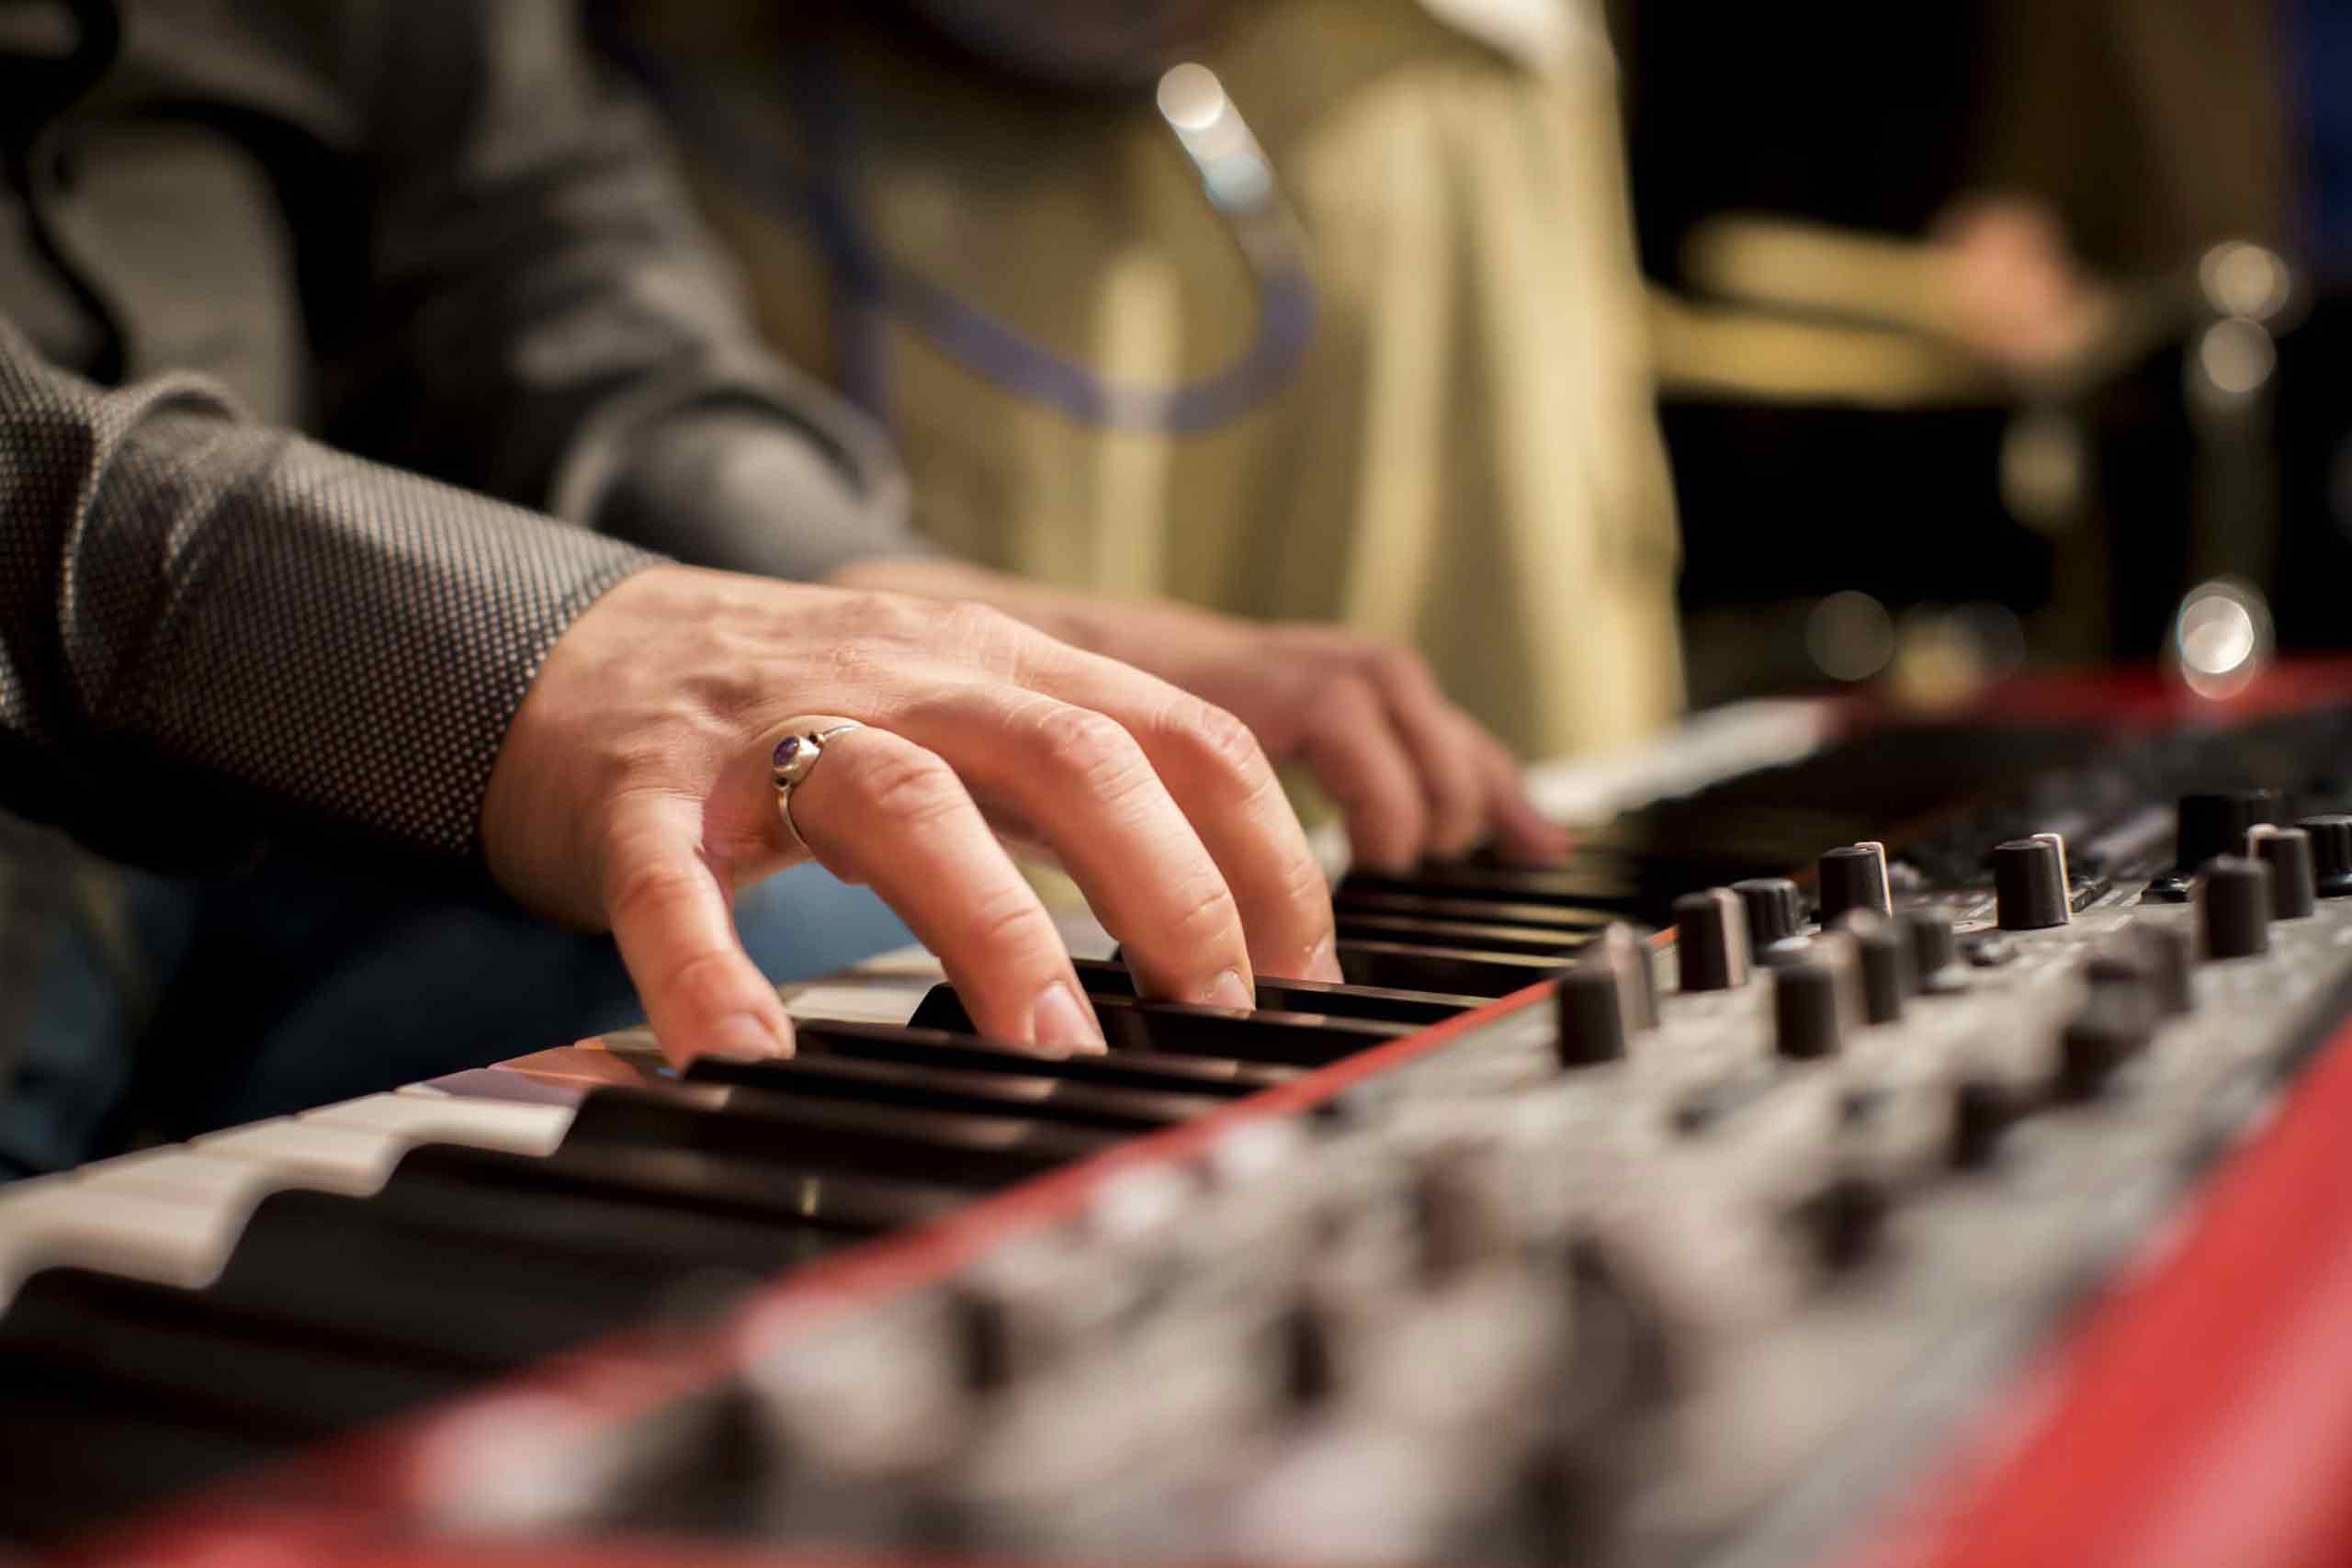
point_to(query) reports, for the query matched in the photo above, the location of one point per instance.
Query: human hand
(633, 789)
(2018, 296)
(1413, 774)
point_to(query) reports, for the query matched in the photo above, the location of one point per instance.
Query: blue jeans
(208, 1004)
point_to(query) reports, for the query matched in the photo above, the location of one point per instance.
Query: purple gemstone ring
(794, 758)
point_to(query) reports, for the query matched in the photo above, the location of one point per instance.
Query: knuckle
(980, 629)
(909, 786)
(1303, 883)
(1219, 738)
(1207, 913)
(644, 887)
(703, 970)
(1006, 919)
(1092, 747)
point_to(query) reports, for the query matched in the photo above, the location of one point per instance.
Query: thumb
(669, 913)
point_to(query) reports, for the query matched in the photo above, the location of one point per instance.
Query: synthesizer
(1881, 1142)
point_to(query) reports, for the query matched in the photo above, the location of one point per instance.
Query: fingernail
(1323, 964)
(744, 1037)
(1060, 1019)
(1228, 992)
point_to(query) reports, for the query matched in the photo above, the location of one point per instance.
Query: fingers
(1078, 778)
(1445, 745)
(1469, 784)
(1521, 833)
(670, 915)
(1210, 765)
(1356, 754)
(881, 810)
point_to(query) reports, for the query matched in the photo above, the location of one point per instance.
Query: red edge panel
(2202, 1415)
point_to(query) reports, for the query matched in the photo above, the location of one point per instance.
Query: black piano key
(1580, 888)
(1300, 1040)
(1541, 942)
(1127, 1070)
(1034, 1095)
(805, 1197)
(1350, 898)
(460, 1202)
(74, 1330)
(1468, 972)
(958, 1151)
(489, 1277)
(1110, 977)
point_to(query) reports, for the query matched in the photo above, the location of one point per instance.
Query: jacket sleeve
(553, 325)
(209, 628)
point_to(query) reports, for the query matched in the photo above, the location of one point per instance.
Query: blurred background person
(1374, 353)
(2040, 288)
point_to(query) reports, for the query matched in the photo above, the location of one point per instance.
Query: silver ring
(794, 758)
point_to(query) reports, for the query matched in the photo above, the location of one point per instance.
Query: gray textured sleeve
(554, 325)
(209, 628)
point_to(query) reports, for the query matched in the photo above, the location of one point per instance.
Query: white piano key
(125, 1231)
(329, 1158)
(513, 1127)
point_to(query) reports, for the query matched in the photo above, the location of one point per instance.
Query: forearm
(554, 326)
(747, 489)
(208, 626)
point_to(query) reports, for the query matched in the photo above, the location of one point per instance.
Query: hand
(1414, 775)
(633, 790)
(2018, 296)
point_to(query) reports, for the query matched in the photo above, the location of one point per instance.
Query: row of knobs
(1870, 961)
(2217, 824)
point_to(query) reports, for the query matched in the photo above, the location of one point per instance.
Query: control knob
(2331, 852)
(2029, 882)
(2294, 879)
(1710, 940)
(1853, 877)
(1607, 997)
(1775, 910)
(2233, 904)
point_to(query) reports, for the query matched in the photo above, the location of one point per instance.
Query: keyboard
(1882, 1141)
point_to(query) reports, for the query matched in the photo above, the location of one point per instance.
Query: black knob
(2154, 961)
(1610, 995)
(2294, 880)
(1592, 1022)
(1982, 1110)
(1461, 1211)
(2234, 903)
(1307, 1335)
(1935, 948)
(2331, 852)
(2029, 882)
(1812, 1007)
(2215, 824)
(2171, 951)
(1851, 878)
(1844, 1217)
(1710, 940)
(1884, 954)
(1775, 910)
(2111, 1027)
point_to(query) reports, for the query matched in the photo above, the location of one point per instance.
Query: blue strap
(871, 286)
